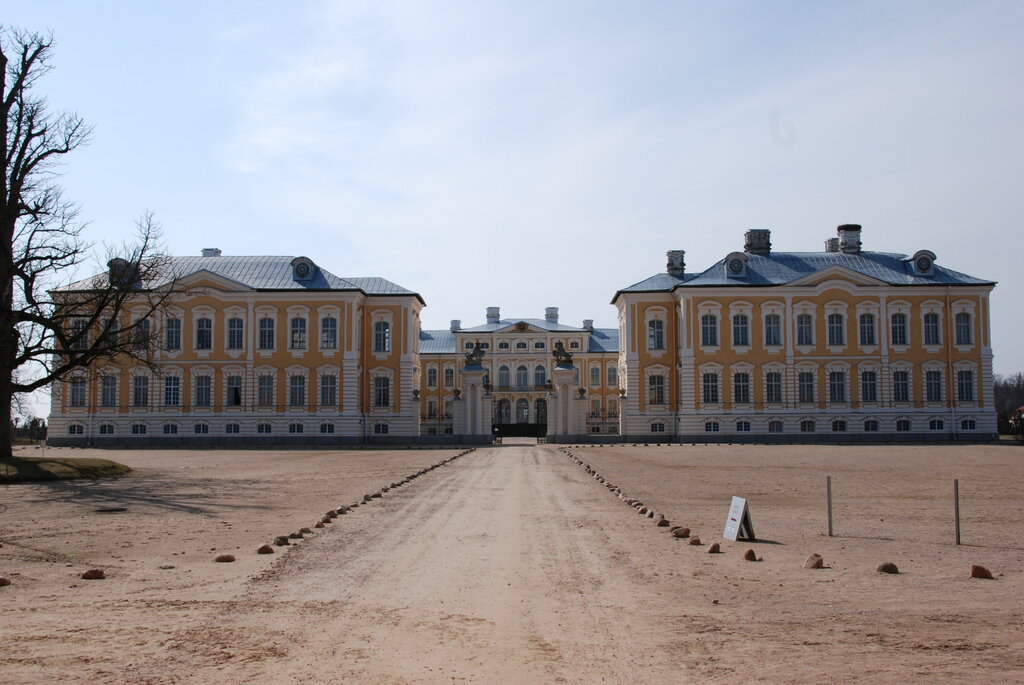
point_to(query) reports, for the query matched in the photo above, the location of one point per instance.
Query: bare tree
(49, 327)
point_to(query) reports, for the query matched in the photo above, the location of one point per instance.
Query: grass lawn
(30, 469)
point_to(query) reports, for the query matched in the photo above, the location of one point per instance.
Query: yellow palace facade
(839, 345)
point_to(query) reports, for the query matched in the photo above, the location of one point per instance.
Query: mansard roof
(782, 268)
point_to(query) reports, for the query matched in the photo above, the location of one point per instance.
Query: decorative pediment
(840, 274)
(208, 279)
(520, 327)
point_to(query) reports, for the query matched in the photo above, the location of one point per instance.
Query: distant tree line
(1009, 392)
(30, 429)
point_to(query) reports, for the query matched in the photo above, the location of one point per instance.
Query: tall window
(900, 386)
(613, 409)
(773, 387)
(741, 330)
(933, 386)
(656, 389)
(965, 386)
(297, 390)
(140, 391)
(522, 377)
(108, 391)
(503, 377)
(382, 337)
(613, 376)
(329, 333)
(540, 376)
(266, 333)
(382, 391)
(140, 334)
(172, 334)
(899, 328)
(202, 391)
(931, 329)
(709, 330)
(868, 386)
(172, 391)
(78, 390)
(741, 388)
(709, 388)
(963, 329)
(595, 375)
(804, 329)
(204, 334)
(772, 329)
(297, 339)
(805, 386)
(449, 377)
(837, 386)
(867, 329)
(836, 334)
(79, 334)
(431, 378)
(236, 329)
(265, 391)
(328, 390)
(655, 334)
(431, 409)
(233, 385)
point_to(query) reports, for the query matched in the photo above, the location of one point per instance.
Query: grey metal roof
(437, 342)
(443, 341)
(604, 340)
(780, 268)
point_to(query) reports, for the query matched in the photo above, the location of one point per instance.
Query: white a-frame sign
(738, 526)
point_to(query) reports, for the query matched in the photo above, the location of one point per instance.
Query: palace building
(840, 345)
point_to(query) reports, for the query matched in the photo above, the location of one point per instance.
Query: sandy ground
(512, 565)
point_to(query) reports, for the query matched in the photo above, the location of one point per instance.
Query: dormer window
(303, 269)
(924, 263)
(736, 265)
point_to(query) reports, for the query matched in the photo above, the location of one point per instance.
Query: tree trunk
(6, 434)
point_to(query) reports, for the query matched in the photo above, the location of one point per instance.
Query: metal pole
(956, 508)
(828, 490)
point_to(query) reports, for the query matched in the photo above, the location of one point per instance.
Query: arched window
(540, 408)
(540, 376)
(836, 331)
(522, 378)
(772, 330)
(963, 329)
(709, 330)
(522, 410)
(298, 334)
(449, 378)
(741, 330)
(932, 335)
(266, 333)
(503, 377)
(804, 329)
(382, 336)
(235, 333)
(431, 378)
(867, 329)
(656, 390)
(204, 334)
(503, 411)
(741, 388)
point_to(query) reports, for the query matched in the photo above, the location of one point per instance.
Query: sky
(527, 155)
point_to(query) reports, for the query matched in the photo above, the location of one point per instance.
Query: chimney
(493, 315)
(456, 324)
(758, 241)
(211, 252)
(676, 265)
(551, 314)
(588, 324)
(832, 245)
(849, 238)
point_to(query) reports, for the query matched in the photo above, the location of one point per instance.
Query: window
(613, 409)
(655, 334)
(837, 386)
(867, 329)
(79, 335)
(520, 346)
(709, 330)
(839, 426)
(871, 426)
(741, 388)
(743, 426)
(106, 429)
(963, 328)
(204, 334)
(329, 336)
(773, 387)
(899, 328)
(931, 329)
(741, 330)
(172, 334)
(380, 428)
(382, 391)
(170, 429)
(775, 426)
(868, 386)
(658, 427)
(807, 426)
(965, 386)
(140, 391)
(296, 391)
(574, 345)
(265, 390)
(382, 336)
(263, 428)
(503, 345)
(297, 339)
(469, 345)
(804, 329)
(232, 428)
(138, 429)
(326, 428)
(522, 377)
(805, 386)
(449, 377)
(503, 377)
(933, 386)
(236, 328)
(266, 333)
(900, 386)
(172, 391)
(656, 389)
(294, 428)
(233, 386)
(613, 377)
(903, 425)
(595, 375)
(836, 335)
(202, 391)
(539, 346)
(431, 378)
(772, 330)
(968, 425)
(141, 334)
(540, 376)
(76, 429)
(432, 409)
(200, 429)
(936, 424)
(108, 391)
(709, 388)
(711, 427)
(328, 390)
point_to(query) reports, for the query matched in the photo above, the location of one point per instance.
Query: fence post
(828, 491)
(956, 508)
